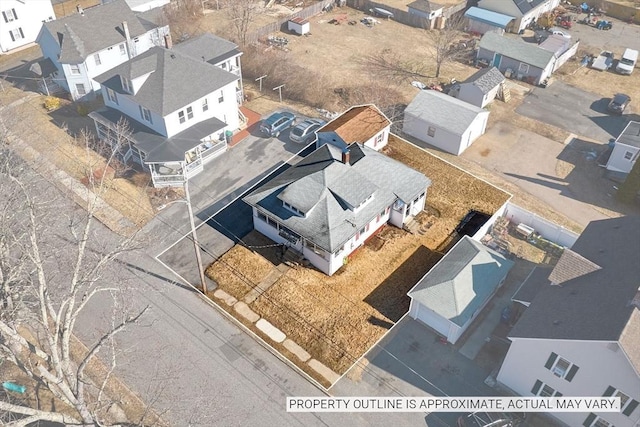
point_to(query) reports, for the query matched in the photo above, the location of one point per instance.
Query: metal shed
(482, 21)
(299, 26)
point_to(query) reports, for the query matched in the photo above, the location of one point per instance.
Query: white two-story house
(21, 22)
(579, 334)
(524, 11)
(88, 43)
(178, 111)
(327, 205)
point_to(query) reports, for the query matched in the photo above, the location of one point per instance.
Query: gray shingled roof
(527, 6)
(595, 306)
(516, 49)
(443, 110)
(312, 185)
(486, 79)
(536, 280)
(462, 281)
(212, 48)
(80, 36)
(177, 79)
(630, 135)
(424, 6)
(159, 148)
(571, 265)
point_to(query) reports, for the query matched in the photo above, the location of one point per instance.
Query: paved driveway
(567, 107)
(410, 361)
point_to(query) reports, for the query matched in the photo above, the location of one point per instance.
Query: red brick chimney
(167, 41)
(346, 155)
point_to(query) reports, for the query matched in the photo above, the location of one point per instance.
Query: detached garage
(443, 121)
(449, 297)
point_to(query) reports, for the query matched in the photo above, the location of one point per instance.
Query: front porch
(168, 174)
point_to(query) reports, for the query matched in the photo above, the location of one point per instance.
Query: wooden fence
(273, 27)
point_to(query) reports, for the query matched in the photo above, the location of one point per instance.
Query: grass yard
(338, 318)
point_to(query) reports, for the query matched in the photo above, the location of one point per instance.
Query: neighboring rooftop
(630, 135)
(461, 282)
(526, 6)
(165, 91)
(486, 79)
(321, 186)
(516, 49)
(532, 285)
(96, 28)
(440, 109)
(358, 124)
(425, 6)
(488, 17)
(209, 48)
(556, 43)
(597, 305)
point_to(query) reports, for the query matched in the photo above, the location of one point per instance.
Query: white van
(627, 62)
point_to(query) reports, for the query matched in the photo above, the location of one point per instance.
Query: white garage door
(434, 320)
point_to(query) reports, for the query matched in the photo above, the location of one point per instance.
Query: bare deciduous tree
(241, 13)
(49, 274)
(442, 47)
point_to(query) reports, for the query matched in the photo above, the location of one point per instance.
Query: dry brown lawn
(59, 148)
(338, 318)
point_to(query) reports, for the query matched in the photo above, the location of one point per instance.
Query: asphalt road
(567, 107)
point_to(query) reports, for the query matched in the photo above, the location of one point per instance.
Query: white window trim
(616, 392)
(557, 371)
(431, 131)
(10, 15)
(189, 111)
(96, 58)
(113, 97)
(598, 418)
(84, 89)
(123, 49)
(75, 69)
(205, 105)
(630, 154)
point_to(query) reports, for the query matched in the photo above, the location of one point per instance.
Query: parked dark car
(304, 131)
(619, 103)
(277, 122)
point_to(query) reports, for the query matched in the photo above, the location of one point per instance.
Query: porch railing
(217, 149)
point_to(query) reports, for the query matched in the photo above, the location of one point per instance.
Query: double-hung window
(627, 404)
(9, 15)
(561, 367)
(145, 114)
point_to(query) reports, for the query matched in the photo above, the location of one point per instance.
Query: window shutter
(589, 420)
(141, 114)
(536, 387)
(12, 38)
(571, 373)
(15, 15)
(609, 391)
(4, 15)
(557, 394)
(551, 360)
(21, 33)
(630, 408)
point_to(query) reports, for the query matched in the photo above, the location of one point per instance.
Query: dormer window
(292, 208)
(145, 114)
(126, 84)
(363, 203)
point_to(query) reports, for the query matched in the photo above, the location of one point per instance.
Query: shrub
(51, 103)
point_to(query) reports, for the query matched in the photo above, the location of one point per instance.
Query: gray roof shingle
(176, 79)
(80, 36)
(424, 6)
(212, 49)
(316, 185)
(462, 281)
(630, 135)
(595, 306)
(516, 49)
(486, 79)
(443, 110)
(527, 6)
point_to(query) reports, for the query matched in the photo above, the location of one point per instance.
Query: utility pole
(195, 237)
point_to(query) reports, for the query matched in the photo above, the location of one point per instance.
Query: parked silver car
(304, 132)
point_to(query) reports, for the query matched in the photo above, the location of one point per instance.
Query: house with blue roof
(523, 11)
(481, 21)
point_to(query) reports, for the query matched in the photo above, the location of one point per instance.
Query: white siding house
(524, 11)
(579, 334)
(92, 41)
(480, 88)
(626, 149)
(327, 205)
(450, 296)
(362, 124)
(171, 130)
(444, 121)
(20, 22)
